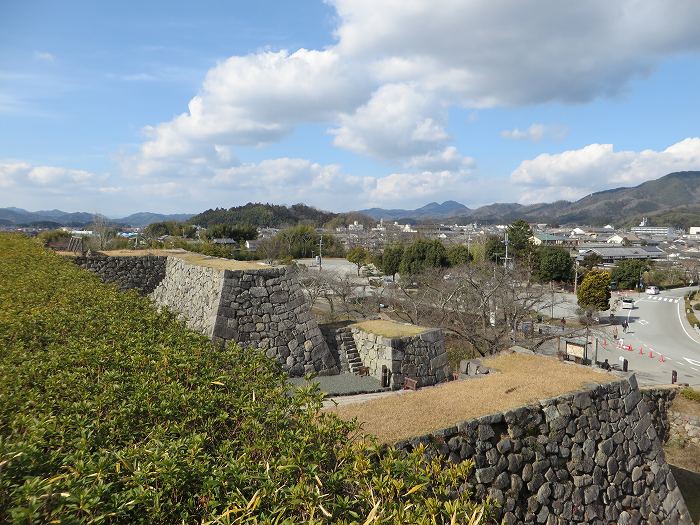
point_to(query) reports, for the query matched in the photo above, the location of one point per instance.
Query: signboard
(575, 349)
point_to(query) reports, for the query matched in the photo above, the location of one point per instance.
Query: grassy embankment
(111, 412)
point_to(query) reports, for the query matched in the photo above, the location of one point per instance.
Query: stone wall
(589, 457)
(264, 308)
(421, 357)
(191, 291)
(267, 309)
(659, 400)
(140, 273)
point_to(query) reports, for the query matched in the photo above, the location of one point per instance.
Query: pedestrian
(563, 324)
(615, 333)
(624, 326)
(605, 365)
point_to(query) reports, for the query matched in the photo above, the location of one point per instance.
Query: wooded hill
(276, 216)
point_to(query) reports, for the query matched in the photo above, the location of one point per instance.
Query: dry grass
(193, 258)
(390, 328)
(520, 380)
(686, 406)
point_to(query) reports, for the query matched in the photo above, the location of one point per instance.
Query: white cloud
(576, 173)
(44, 56)
(512, 52)
(397, 122)
(255, 99)
(536, 132)
(17, 173)
(386, 87)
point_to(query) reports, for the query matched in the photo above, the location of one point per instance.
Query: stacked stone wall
(191, 291)
(139, 273)
(263, 308)
(659, 400)
(267, 309)
(589, 457)
(421, 357)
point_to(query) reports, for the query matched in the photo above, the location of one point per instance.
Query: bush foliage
(113, 412)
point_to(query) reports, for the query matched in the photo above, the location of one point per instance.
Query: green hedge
(111, 412)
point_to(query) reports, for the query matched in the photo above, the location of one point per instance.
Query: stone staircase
(348, 350)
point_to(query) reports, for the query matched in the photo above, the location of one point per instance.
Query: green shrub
(113, 412)
(696, 306)
(691, 394)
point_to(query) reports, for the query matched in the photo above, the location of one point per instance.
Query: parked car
(652, 290)
(627, 303)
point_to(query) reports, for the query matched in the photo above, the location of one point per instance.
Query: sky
(176, 107)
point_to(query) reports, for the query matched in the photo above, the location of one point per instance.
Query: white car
(652, 290)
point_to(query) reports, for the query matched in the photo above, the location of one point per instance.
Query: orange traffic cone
(651, 354)
(661, 358)
(641, 351)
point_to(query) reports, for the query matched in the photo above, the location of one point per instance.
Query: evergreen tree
(594, 292)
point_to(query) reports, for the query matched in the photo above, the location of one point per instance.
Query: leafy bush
(113, 412)
(691, 394)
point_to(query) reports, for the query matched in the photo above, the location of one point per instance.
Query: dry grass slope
(520, 380)
(391, 328)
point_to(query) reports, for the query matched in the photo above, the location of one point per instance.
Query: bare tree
(481, 303)
(345, 295)
(103, 231)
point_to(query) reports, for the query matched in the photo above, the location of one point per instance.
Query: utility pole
(320, 253)
(576, 277)
(505, 263)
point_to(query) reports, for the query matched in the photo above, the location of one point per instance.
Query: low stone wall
(267, 309)
(193, 292)
(140, 273)
(421, 357)
(659, 400)
(589, 457)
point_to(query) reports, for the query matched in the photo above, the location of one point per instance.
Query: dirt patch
(519, 380)
(686, 406)
(193, 258)
(390, 328)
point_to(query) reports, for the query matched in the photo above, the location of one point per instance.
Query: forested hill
(258, 214)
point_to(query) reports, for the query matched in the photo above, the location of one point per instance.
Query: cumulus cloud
(397, 122)
(576, 173)
(386, 86)
(254, 99)
(536, 132)
(512, 52)
(22, 173)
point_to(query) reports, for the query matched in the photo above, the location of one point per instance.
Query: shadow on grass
(689, 483)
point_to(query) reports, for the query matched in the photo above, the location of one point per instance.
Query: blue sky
(174, 106)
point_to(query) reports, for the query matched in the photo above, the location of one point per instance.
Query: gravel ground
(343, 384)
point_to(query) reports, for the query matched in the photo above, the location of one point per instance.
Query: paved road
(658, 327)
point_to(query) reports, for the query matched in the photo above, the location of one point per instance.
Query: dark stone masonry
(590, 457)
(140, 273)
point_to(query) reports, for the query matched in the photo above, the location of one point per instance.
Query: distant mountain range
(17, 216)
(672, 200)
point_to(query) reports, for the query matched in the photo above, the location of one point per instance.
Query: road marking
(692, 362)
(643, 322)
(680, 320)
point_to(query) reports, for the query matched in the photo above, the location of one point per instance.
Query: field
(114, 412)
(518, 380)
